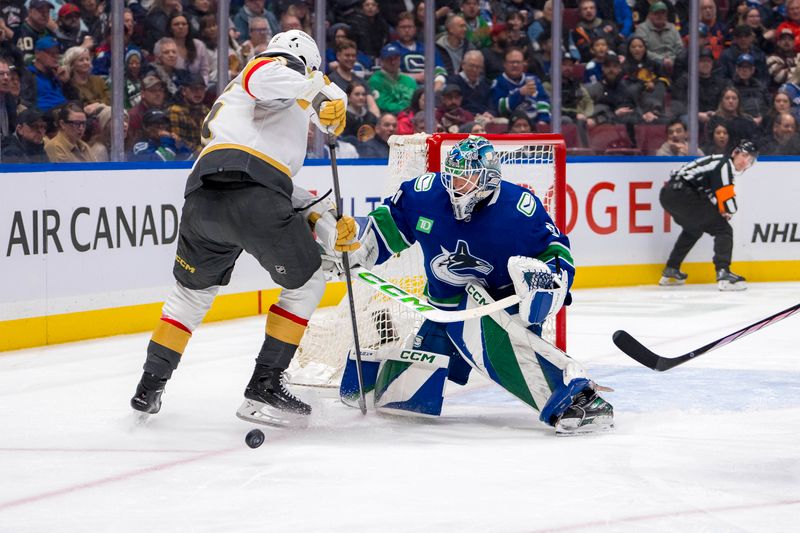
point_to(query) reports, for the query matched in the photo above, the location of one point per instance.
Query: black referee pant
(696, 215)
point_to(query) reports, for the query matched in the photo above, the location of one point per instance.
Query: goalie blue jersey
(511, 222)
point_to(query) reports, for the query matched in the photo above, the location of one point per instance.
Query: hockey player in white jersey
(482, 238)
(240, 196)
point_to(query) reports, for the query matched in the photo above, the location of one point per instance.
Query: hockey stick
(362, 402)
(395, 293)
(637, 351)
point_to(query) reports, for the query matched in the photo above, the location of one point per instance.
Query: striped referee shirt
(712, 176)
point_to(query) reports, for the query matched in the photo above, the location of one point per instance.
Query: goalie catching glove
(541, 291)
(328, 102)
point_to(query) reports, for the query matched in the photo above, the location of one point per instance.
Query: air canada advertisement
(77, 240)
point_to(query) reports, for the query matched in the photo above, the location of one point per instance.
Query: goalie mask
(299, 44)
(471, 174)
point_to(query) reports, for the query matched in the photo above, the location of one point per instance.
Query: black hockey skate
(671, 277)
(267, 401)
(728, 281)
(148, 394)
(589, 413)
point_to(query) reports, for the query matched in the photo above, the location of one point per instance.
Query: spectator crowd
(624, 69)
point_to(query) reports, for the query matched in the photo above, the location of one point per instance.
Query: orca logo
(459, 267)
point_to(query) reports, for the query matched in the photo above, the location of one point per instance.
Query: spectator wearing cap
(69, 32)
(67, 146)
(712, 84)
(478, 27)
(8, 102)
(450, 113)
(26, 144)
(475, 89)
(412, 59)
(43, 88)
(156, 143)
(453, 44)
(494, 56)
(590, 27)
(391, 88)
(133, 78)
(792, 22)
(33, 28)
(753, 93)
(154, 96)
(781, 63)
(716, 29)
(82, 86)
(515, 89)
(612, 100)
(187, 115)
(378, 145)
(369, 28)
(662, 39)
(165, 66)
(743, 39)
(192, 55)
(250, 9)
(783, 139)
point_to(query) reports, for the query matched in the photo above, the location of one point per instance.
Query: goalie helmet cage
(535, 161)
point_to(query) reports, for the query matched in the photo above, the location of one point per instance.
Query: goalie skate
(589, 413)
(262, 413)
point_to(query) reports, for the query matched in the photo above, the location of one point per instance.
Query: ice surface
(713, 445)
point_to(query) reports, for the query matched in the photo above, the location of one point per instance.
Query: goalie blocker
(411, 381)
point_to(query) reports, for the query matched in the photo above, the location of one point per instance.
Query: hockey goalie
(482, 239)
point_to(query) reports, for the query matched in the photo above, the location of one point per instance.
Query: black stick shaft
(362, 402)
(640, 353)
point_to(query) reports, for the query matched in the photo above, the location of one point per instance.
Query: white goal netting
(526, 160)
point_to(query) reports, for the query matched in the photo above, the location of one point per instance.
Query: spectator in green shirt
(391, 88)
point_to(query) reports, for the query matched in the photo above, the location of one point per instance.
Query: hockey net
(536, 162)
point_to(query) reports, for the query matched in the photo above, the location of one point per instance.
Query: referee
(701, 199)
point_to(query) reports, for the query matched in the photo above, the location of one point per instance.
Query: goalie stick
(638, 352)
(395, 293)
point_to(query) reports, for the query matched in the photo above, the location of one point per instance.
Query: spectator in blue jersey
(341, 32)
(593, 71)
(157, 143)
(43, 88)
(474, 87)
(515, 89)
(412, 59)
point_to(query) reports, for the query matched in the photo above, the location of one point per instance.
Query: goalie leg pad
(348, 388)
(411, 382)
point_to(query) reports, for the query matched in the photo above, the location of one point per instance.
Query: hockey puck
(254, 438)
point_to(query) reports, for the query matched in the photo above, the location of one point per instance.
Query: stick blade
(636, 350)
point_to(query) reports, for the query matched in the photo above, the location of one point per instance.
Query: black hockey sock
(275, 353)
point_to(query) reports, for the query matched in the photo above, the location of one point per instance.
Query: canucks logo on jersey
(460, 266)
